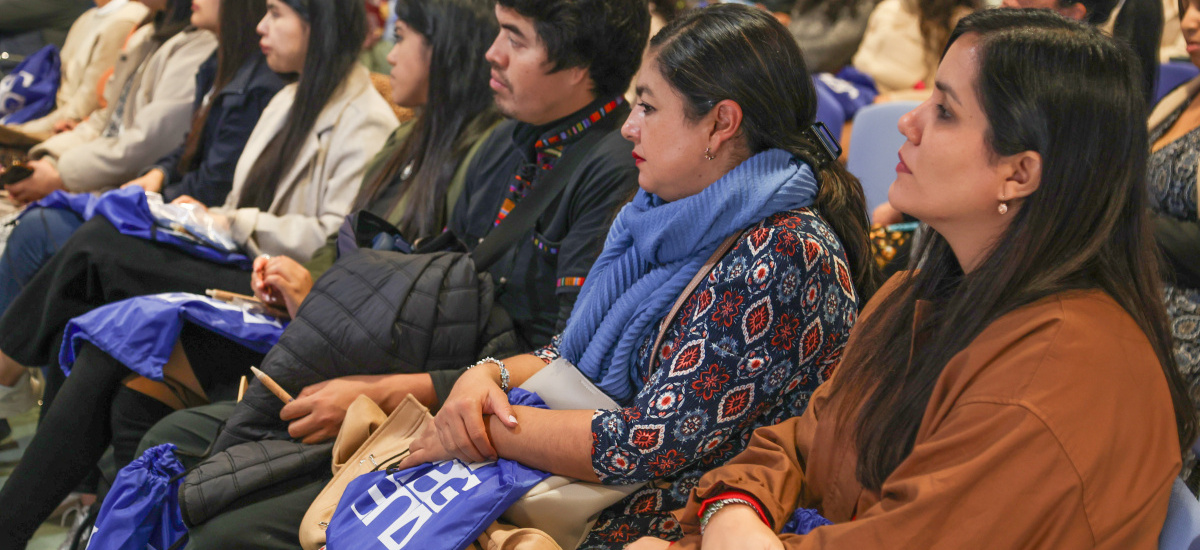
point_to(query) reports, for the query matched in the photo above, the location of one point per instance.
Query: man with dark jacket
(559, 69)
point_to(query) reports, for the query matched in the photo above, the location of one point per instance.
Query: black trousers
(95, 410)
(97, 266)
(268, 519)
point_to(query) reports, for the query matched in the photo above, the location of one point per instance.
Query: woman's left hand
(187, 199)
(427, 448)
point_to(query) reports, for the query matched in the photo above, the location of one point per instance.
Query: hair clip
(823, 137)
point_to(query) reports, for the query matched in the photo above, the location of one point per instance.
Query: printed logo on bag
(12, 88)
(415, 499)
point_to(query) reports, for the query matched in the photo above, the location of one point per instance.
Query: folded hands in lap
(276, 279)
(460, 428)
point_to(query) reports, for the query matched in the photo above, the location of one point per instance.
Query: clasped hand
(460, 429)
(276, 279)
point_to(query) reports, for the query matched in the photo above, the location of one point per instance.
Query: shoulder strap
(705, 269)
(526, 213)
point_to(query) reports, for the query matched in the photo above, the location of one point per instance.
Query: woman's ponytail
(843, 205)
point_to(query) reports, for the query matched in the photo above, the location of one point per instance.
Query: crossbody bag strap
(705, 269)
(526, 213)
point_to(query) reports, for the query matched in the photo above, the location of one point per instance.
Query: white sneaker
(18, 398)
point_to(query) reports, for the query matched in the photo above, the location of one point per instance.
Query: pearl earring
(708, 154)
(1003, 208)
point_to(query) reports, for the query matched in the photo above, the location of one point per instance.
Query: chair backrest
(874, 143)
(1182, 527)
(1171, 75)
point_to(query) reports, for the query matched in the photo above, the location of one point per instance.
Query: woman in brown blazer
(1019, 391)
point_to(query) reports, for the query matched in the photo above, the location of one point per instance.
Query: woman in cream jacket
(904, 39)
(149, 110)
(89, 53)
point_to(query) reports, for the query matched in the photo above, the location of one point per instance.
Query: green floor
(51, 534)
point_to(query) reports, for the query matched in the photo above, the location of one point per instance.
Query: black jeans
(97, 266)
(93, 411)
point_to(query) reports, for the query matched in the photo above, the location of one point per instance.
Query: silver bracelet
(503, 370)
(715, 507)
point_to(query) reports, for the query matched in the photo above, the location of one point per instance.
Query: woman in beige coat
(89, 54)
(148, 114)
(904, 39)
(1019, 391)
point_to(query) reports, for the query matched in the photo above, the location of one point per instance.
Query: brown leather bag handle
(705, 269)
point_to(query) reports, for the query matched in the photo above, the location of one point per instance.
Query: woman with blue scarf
(728, 155)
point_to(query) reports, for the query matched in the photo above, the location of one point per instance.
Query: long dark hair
(1065, 91)
(458, 112)
(937, 18)
(1140, 24)
(735, 52)
(171, 20)
(237, 41)
(337, 29)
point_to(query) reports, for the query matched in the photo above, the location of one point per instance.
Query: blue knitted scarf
(653, 250)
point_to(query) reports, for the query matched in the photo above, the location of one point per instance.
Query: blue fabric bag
(141, 510)
(29, 91)
(129, 212)
(851, 88)
(804, 520)
(141, 332)
(439, 506)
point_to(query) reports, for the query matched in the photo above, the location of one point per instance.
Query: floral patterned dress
(752, 342)
(1172, 181)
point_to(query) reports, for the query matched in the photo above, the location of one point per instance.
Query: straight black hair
(458, 112)
(731, 51)
(337, 29)
(1066, 91)
(1140, 24)
(606, 36)
(171, 20)
(237, 41)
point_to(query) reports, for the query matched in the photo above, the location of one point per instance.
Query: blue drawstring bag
(850, 88)
(28, 92)
(804, 520)
(141, 332)
(129, 211)
(141, 511)
(444, 505)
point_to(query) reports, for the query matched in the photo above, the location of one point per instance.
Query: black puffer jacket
(376, 312)
(373, 312)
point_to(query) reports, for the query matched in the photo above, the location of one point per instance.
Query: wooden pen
(271, 385)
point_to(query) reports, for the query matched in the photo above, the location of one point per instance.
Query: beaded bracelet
(503, 370)
(713, 508)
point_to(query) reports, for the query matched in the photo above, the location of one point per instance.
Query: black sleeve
(611, 181)
(443, 382)
(1180, 244)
